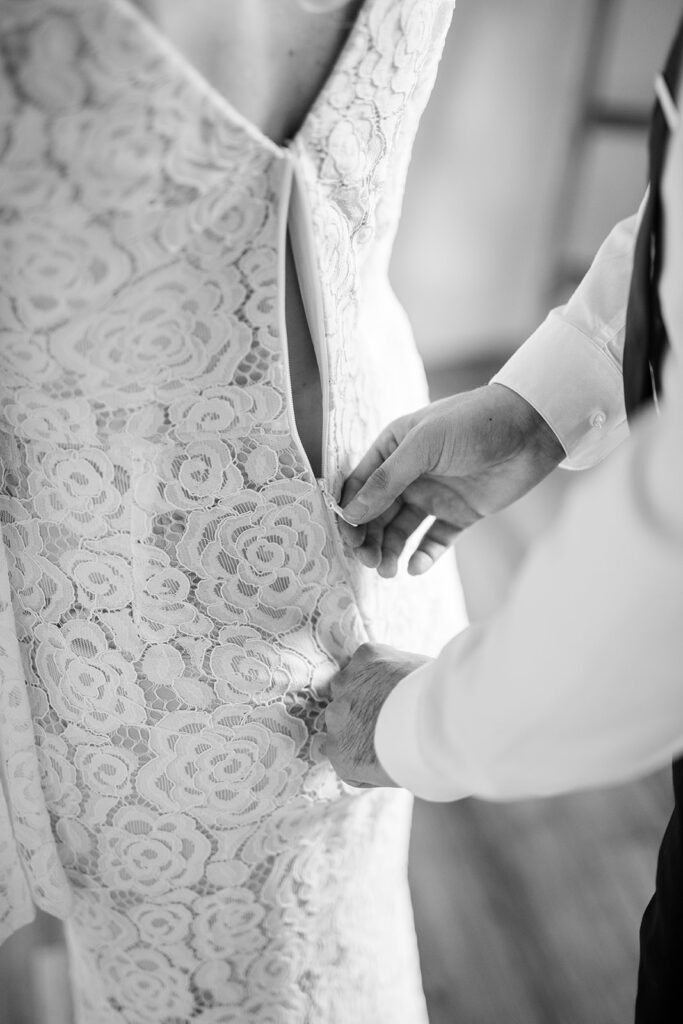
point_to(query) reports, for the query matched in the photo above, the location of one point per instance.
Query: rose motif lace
(174, 593)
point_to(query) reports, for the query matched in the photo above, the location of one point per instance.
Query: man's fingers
(370, 553)
(353, 535)
(337, 687)
(362, 536)
(384, 445)
(396, 536)
(387, 482)
(437, 540)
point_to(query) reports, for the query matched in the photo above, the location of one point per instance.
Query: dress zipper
(331, 502)
(303, 225)
(313, 304)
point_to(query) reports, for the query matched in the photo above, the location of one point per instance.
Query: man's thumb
(387, 482)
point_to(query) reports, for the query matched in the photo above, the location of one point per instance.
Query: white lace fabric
(174, 593)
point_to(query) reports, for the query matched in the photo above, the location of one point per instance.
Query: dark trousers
(660, 977)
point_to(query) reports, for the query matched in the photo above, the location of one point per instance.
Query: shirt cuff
(399, 746)
(574, 386)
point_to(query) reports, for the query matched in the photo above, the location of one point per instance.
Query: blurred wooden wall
(485, 215)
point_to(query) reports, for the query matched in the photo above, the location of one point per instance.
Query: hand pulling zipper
(332, 505)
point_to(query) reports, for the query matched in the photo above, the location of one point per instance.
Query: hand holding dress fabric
(358, 693)
(456, 460)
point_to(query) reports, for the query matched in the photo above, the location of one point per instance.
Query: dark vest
(660, 977)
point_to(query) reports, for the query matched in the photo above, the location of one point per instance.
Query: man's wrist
(398, 743)
(539, 437)
(574, 384)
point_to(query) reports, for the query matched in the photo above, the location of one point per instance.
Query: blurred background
(532, 148)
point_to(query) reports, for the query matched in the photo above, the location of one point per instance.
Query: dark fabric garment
(660, 977)
(646, 342)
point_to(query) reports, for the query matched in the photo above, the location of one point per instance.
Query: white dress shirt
(570, 368)
(578, 680)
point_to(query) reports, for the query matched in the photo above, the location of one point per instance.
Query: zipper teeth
(332, 503)
(318, 334)
(318, 338)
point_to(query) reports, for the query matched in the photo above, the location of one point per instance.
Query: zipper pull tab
(332, 505)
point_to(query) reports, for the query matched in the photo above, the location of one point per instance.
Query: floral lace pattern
(174, 594)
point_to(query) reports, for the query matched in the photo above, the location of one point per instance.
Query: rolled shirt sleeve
(576, 682)
(569, 370)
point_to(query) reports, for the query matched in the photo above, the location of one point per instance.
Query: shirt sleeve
(569, 370)
(576, 682)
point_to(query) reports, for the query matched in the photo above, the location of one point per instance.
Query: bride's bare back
(270, 59)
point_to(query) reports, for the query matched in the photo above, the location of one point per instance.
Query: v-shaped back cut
(227, 107)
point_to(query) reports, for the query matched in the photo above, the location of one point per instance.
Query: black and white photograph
(341, 512)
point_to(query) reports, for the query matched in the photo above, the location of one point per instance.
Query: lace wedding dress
(174, 592)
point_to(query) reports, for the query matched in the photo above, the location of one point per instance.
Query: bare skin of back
(269, 58)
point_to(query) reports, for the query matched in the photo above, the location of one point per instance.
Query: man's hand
(457, 460)
(358, 693)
